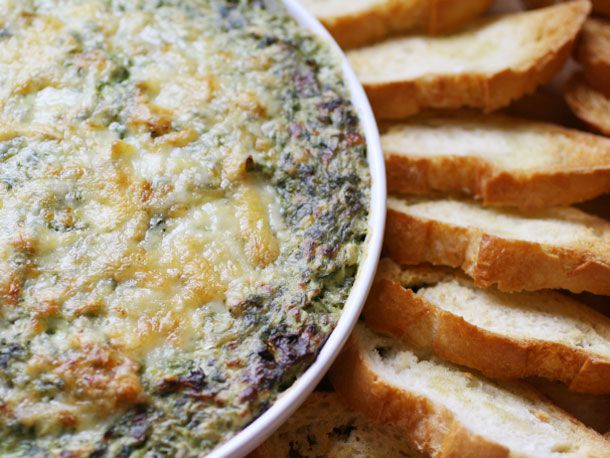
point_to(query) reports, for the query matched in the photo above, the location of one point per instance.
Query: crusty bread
(599, 6)
(325, 427)
(593, 411)
(590, 106)
(561, 247)
(357, 23)
(447, 411)
(545, 105)
(593, 52)
(501, 160)
(486, 65)
(503, 335)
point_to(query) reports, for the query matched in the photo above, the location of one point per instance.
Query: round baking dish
(254, 434)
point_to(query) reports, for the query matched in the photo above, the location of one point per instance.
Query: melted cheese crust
(140, 232)
(132, 219)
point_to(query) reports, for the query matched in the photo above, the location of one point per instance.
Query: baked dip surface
(183, 206)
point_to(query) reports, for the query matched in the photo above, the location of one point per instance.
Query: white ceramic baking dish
(253, 435)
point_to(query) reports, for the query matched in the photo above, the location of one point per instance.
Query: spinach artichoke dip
(184, 196)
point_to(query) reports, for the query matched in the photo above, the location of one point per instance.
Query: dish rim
(260, 429)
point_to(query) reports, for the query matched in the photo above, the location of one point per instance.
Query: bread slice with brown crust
(447, 411)
(500, 160)
(358, 23)
(486, 65)
(503, 335)
(559, 247)
(325, 427)
(593, 52)
(599, 6)
(590, 106)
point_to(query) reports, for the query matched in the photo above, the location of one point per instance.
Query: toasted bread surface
(485, 65)
(361, 22)
(500, 160)
(503, 335)
(590, 106)
(560, 247)
(593, 52)
(447, 411)
(325, 426)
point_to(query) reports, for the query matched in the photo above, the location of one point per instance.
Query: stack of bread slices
(489, 318)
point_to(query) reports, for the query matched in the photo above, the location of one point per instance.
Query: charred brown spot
(249, 165)
(159, 126)
(100, 375)
(68, 419)
(343, 431)
(194, 381)
(282, 353)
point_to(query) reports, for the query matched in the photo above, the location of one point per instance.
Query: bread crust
(432, 428)
(474, 176)
(444, 16)
(427, 424)
(511, 265)
(488, 92)
(602, 7)
(396, 16)
(393, 309)
(589, 105)
(599, 6)
(593, 52)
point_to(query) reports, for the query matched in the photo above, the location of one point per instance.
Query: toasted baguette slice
(593, 52)
(590, 106)
(599, 6)
(358, 23)
(325, 427)
(503, 335)
(556, 248)
(486, 65)
(501, 160)
(447, 411)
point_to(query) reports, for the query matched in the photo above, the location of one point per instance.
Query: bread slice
(590, 106)
(560, 247)
(593, 52)
(357, 23)
(503, 335)
(447, 411)
(486, 65)
(501, 160)
(599, 6)
(325, 427)
(545, 105)
(593, 411)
